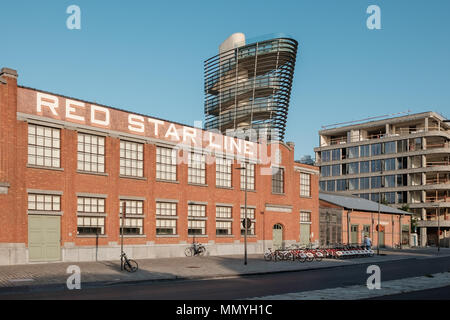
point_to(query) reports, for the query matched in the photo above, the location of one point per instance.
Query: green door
(354, 234)
(44, 238)
(305, 231)
(381, 239)
(277, 234)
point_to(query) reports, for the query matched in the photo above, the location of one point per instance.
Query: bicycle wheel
(130, 265)
(288, 256)
(317, 258)
(268, 256)
(188, 252)
(201, 251)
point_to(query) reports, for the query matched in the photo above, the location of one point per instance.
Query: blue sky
(147, 56)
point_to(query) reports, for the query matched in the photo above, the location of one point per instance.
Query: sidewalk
(31, 277)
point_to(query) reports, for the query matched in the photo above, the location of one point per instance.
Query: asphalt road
(430, 294)
(252, 286)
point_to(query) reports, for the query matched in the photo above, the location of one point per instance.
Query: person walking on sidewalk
(367, 242)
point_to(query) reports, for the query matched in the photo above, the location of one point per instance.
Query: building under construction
(401, 161)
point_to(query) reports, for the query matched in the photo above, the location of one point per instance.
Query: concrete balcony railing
(433, 223)
(437, 199)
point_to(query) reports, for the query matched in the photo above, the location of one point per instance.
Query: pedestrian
(367, 242)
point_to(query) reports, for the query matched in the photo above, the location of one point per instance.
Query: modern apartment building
(72, 172)
(248, 86)
(405, 159)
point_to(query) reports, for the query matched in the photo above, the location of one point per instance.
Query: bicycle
(196, 249)
(128, 264)
(271, 255)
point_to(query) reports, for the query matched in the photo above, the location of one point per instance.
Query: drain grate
(192, 267)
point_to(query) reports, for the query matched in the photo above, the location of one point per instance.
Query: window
(223, 223)
(402, 197)
(325, 156)
(134, 217)
(336, 154)
(390, 181)
(376, 149)
(322, 185)
(376, 165)
(353, 168)
(353, 184)
(375, 182)
(91, 153)
(251, 216)
(44, 202)
(389, 197)
(250, 168)
(223, 172)
(402, 163)
(277, 180)
(364, 195)
(375, 197)
(364, 167)
(402, 146)
(364, 151)
(325, 171)
(364, 183)
(196, 222)
(305, 185)
(341, 184)
(305, 216)
(88, 221)
(336, 170)
(402, 180)
(90, 205)
(330, 185)
(43, 146)
(389, 147)
(166, 218)
(196, 168)
(389, 164)
(131, 159)
(353, 152)
(366, 230)
(90, 225)
(166, 164)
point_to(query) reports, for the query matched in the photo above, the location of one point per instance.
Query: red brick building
(347, 219)
(67, 167)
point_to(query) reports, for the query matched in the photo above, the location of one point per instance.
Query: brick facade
(391, 224)
(18, 109)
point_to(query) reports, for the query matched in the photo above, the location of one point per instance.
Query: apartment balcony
(433, 223)
(245, 90)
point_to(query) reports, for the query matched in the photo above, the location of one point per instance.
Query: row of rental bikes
(304, 253)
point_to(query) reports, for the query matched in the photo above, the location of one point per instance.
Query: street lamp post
(379, 212)
(121, 236)
(245, 223)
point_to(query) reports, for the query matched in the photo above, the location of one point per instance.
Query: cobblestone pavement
(108, 272)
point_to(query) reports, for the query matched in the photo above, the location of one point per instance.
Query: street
(257, 286)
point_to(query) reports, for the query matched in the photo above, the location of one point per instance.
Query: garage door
(277, 234)
(305, 231)
(44, 238)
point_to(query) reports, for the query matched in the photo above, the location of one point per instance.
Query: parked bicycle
(309, 253)
(128, 264)
(197, 249)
